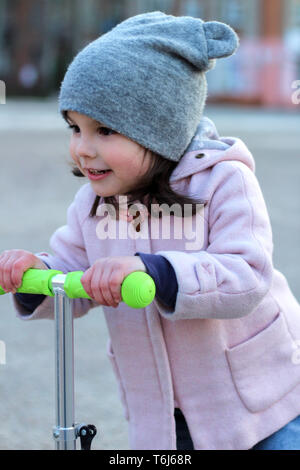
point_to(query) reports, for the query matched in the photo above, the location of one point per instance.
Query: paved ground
(36, 188)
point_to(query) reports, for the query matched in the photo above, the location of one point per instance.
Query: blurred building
(38, 39)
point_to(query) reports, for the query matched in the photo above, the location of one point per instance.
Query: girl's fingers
(102, 282)
(6, 273)
(115, 281)
(86, 282)
(87, 279)
(100, 288)
(18, 269)
(13, 264)
(3, 258)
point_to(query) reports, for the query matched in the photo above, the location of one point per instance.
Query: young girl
(212, 363)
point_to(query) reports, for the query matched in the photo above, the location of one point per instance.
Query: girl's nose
(85, 149)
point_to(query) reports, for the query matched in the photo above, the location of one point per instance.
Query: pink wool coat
(228, 354)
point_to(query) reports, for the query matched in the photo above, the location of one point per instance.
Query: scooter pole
(138, 290)
(65, 432)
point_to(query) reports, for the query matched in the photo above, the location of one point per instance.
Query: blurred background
(38, 38)
(249, 96)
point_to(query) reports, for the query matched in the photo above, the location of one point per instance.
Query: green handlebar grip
(137, 290)
(36, 281)
(73, 287)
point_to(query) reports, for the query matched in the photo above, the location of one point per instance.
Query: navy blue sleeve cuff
(163, 274)
(30, 301)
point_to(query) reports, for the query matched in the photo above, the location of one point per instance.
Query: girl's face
(94, 146)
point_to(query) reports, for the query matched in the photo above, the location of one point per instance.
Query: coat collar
(207, 148)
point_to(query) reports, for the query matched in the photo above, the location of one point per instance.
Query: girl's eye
(106, 131)
(102, 130)
(73, 127)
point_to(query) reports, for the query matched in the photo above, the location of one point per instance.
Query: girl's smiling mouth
(96, 175)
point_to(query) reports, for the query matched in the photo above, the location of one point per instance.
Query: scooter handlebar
(137, 290)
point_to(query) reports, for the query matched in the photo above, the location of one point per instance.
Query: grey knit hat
(146, 78)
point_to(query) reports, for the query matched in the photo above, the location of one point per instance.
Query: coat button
(200, 155)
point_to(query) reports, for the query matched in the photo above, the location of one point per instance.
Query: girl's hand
(13, 264)
(103, 280)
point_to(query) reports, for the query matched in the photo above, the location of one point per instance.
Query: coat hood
(211, 149)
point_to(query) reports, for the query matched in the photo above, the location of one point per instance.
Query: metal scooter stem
(138, 290)
(65, 431)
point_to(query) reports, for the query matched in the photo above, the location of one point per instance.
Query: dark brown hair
(154, 187)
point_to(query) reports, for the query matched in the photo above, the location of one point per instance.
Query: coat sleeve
(69, 254)
(230, 278)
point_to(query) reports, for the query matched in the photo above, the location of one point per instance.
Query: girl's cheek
(73, 154)
(71, 150)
